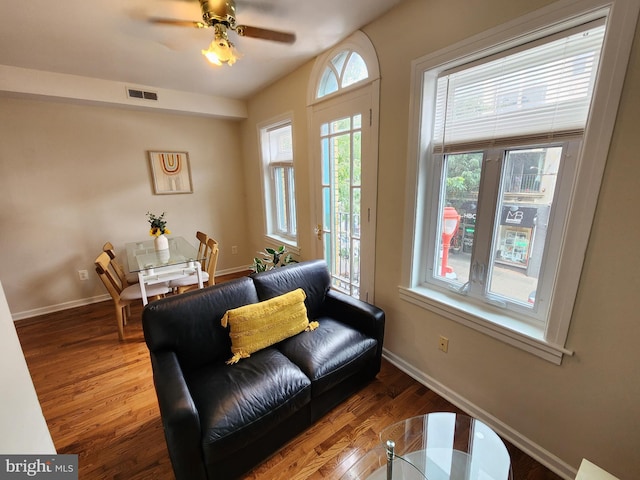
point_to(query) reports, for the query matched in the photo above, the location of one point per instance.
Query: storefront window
(522, 218)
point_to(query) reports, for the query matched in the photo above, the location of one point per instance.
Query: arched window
(350, 64)
(344, 69)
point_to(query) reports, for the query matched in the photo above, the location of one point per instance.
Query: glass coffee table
(436, 446)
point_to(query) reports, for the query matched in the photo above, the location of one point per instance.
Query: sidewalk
(505, 281)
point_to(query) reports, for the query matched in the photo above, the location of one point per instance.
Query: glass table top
(143, 255)
(437, 446)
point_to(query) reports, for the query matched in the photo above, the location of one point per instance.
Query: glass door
(345, 229)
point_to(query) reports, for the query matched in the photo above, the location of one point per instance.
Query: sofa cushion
(334, 352)
(189, 324)
(259, 325)
(237, 404)
(312, 276)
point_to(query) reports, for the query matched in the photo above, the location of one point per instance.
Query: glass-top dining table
(161, 266)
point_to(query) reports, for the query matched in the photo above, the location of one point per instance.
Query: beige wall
(590, 405)
(55, 215)
(75, 176)
(285, 97)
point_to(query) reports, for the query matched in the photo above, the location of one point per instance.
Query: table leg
(199, 274)
(143, 290)
(391, 445)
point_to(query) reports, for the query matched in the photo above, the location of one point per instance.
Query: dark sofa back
(312, 276)
(189, 324)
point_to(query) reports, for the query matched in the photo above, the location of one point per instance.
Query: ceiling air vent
(135, 93)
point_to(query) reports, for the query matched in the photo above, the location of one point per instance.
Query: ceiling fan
(221, 16)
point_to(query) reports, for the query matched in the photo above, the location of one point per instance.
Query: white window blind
(540, 91)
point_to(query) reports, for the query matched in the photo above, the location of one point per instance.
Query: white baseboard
(228, 271)
(88, 301)
(58, 307)
(523, 443)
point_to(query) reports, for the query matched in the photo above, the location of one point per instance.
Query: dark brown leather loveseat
(221, 420)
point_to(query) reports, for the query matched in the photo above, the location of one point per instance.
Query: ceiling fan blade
(178, 23)
(266, 34)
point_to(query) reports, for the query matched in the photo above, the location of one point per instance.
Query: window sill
(507, 329)
(275, 241)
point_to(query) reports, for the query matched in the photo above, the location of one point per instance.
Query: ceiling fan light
(221, 49)
(234, 55)
(212, 57)
(220, 52)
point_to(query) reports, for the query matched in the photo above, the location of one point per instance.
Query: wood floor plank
(99, 401)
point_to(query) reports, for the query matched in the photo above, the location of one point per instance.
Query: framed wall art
(171, 172)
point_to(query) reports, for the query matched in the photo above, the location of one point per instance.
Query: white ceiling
(113, 40)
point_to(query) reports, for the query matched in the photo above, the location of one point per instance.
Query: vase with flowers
(159, 230)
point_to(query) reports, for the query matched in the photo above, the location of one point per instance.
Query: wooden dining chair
(125, 278)
(202, 246)
(209, 263)
(123, 295)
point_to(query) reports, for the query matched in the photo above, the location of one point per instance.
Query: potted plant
(272, 258)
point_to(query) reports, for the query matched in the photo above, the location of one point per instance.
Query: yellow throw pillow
(259, 325)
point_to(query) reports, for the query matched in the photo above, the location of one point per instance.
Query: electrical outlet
(83, 274)
(444, 344)
(234, 250)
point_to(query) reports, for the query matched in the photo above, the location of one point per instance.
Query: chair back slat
(111, 251)
(202, 247)
(211, 261)
(104, 269)
(115, 264)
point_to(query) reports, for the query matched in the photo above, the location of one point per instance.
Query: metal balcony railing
(523, 183)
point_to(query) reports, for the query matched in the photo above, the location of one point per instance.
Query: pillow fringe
(237, 356)
(240, 354)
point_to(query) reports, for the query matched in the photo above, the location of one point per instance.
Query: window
(344, 69)
(280, 205)
(499, 148)
(502, 155)
(349, 66)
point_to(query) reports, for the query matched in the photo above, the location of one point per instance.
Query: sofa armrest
(360, 315)
(180, 418)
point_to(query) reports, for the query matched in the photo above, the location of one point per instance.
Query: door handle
(318, 231)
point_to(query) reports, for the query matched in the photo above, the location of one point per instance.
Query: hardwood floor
(98, 398)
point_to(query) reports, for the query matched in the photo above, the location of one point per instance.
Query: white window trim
(621, 23)
(358, 42)
(266, 185)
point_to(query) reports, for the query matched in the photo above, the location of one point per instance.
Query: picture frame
(170, 172)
